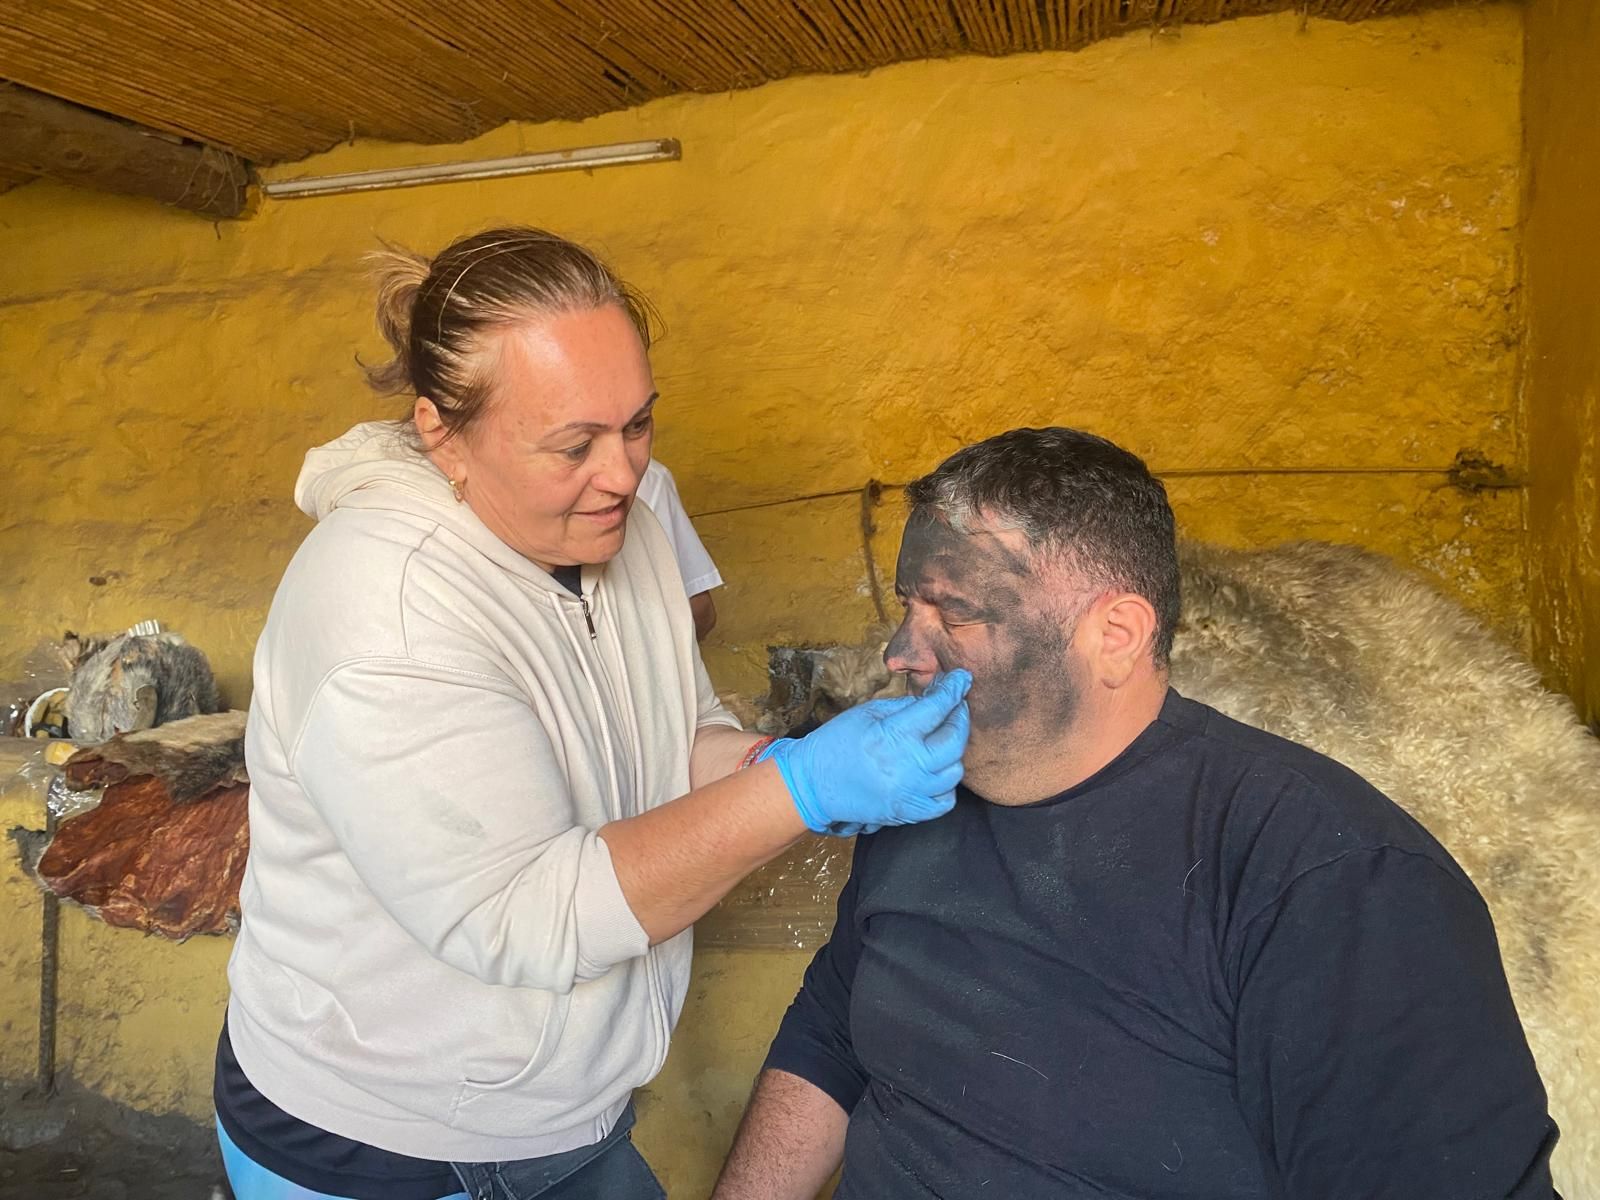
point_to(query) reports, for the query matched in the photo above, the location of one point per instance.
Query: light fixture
(583, 158)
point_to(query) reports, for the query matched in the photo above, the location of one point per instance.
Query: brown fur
(190, 757)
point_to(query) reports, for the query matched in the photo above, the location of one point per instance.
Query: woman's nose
(615, 472)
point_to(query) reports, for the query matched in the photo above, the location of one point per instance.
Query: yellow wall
(1276, 259)
(1561, 379)
(20, 914)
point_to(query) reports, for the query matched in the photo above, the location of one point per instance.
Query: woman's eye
(640, 427)
(576, 453)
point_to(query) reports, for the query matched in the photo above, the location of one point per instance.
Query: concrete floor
(74, 1145)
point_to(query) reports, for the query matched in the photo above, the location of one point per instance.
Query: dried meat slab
(185, 879)
(90, 853)
(142, 860)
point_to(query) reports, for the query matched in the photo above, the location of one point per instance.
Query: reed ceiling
(276, 80)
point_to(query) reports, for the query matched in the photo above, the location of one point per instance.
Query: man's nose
(903, 653)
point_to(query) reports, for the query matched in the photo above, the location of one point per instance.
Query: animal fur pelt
(809, 685)
(190, 757)
(164, 851)
(134, 681)
(1346, 652)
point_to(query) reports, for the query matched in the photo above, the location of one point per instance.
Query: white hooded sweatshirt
(435, 956)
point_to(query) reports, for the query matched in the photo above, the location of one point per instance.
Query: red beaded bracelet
(754, 752)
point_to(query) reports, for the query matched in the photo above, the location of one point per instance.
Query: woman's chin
(599, 547)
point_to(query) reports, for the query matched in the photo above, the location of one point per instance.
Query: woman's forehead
(587, 368)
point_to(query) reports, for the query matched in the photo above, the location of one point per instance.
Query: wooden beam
(45, 136)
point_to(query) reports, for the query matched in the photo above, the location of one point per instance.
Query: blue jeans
(611, 1169)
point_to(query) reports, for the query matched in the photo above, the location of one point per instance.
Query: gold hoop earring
(458, 489)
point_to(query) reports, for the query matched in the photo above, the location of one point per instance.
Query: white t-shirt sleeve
(658, 490)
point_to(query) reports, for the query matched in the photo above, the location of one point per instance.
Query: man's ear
(1120, 634)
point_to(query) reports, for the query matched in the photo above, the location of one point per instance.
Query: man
(658, 489)
(1151, 952)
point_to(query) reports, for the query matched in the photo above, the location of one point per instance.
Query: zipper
(653, 973)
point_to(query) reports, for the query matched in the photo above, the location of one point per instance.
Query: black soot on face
(973, 600)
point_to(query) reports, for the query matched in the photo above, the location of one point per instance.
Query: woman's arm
(890, 762)
(676, 861)
(466, 834)
(717, 752)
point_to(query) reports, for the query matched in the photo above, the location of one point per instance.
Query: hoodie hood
(375, 456)
(376, 466)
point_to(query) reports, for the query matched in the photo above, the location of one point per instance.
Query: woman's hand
(888, 762)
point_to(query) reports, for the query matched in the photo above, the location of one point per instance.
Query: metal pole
(49, 944)
(583, 158)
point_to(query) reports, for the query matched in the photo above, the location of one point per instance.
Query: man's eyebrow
(601, 426)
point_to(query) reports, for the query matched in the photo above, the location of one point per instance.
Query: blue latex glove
(887, 762)
(837, 828)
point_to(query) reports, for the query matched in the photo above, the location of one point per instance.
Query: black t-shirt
(1224, 966)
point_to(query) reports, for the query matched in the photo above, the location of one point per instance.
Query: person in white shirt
(660, 491)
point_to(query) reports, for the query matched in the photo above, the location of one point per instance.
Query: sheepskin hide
(1348, 653)
(134, 681)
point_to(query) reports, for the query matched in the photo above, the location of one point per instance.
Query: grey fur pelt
(1352, 655)
(134, 682)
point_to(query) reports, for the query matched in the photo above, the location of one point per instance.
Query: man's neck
(1108, 722)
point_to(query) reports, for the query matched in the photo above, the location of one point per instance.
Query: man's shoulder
(1270, 757)
(1292, 795)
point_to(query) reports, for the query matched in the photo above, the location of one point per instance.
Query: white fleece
(435, 956)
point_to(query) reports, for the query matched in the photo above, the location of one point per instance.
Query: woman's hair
(436, 313)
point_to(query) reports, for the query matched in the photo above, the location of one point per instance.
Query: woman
(491, 787)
